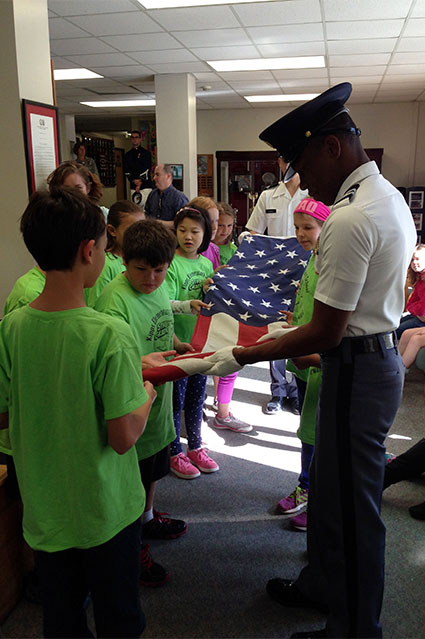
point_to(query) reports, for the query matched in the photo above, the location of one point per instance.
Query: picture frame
(418, 220)
(416, 199)
(177, 171)
(41, 139)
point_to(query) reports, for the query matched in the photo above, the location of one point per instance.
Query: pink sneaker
(294, 501)
(300, 521)
(200, 458)
(180, 465)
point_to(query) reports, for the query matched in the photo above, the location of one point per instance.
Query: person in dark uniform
(138, 164)
(364, 251)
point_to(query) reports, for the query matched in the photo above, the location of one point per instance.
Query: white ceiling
(377, 45)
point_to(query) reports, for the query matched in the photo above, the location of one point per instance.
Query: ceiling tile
(414, 27)
(143, 42)
(408, 69)
(212, 37)
(179, 67)
(408, 57)
(74, 46)
(411, 44)
(361, 79)
(419, 9)
(307, 82)
(128, 71)
(257, 87)
(283, 74)
(226, 53)
(346, 72)
(283, 33)
(365, 9)
(289, 12)
(62, 63)
(187, 19)
(164, 55)
(105, 60)
(60, 28)
(207, 77)
(380, 45)
(359, 60)
(414, 80)
(87, 7)
(294, 48)
(63, 90)
(364, 29)
(117, 23)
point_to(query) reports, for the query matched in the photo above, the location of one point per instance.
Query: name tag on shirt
(270, 210)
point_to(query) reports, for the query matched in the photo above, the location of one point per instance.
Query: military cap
(290, 134)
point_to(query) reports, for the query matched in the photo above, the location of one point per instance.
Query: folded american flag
(245, 298)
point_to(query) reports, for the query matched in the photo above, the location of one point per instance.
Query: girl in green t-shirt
(186, 278)
(309, 216)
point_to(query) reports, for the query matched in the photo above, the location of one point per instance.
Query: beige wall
(397, 127)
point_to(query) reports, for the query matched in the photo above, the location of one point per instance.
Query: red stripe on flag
(200, 334)
(248, 335)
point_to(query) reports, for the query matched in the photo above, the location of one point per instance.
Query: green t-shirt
(25, 290)
(184, 281)
(151, 319)
(62, 375)
(113, 266)
(227, 251)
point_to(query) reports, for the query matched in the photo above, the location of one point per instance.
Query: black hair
(199, 215)
(136, 131)
(55, 223)
(115, 216)
(149, 240)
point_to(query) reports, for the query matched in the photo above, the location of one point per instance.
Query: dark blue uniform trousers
(359, 398)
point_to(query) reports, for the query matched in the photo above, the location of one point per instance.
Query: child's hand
(196, 305)
(216, 270)
(288, 315)
(156, 359)
(206, 284)
(184, 347)
(306, 361)
(150, 389)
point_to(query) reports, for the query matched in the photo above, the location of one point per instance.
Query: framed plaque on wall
(41, 138)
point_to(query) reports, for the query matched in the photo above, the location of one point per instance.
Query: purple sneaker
(293, 502)
(300, 521)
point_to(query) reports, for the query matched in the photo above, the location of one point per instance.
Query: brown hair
(115, 216)
(203, 202)
(413, 276)
(59, 175)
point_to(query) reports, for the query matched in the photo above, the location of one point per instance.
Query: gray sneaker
(232, 423)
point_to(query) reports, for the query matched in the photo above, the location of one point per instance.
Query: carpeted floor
(235, 542)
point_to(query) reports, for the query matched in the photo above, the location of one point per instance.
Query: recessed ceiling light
(173, 4)
(74, 74)
(264, 64)
(295, 97)
(120, 103)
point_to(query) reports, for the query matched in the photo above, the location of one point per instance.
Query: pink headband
(314, 208)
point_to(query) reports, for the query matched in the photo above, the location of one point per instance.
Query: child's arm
(123, 432)
(188, 307)
(156, 359)
(4, 420)
(182, 347)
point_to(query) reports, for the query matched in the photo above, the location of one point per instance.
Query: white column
(24, 73)
(176, 126)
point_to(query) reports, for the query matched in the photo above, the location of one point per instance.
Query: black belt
(366, 344)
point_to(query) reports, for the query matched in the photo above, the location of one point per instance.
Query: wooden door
(119, 172)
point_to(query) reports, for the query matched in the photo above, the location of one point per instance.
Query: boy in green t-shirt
(72, 393)
(140, 298)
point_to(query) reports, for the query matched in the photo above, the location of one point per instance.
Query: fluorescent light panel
(295, 97)
(173, 4)
(74, 74)
(120, 103)
(264, 64)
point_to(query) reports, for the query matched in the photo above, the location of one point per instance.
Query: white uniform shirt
(364, 250)
(274, 211)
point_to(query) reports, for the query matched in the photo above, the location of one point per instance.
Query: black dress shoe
(286, 592)
(417, 512)
(274, 405)
(291, 404)
(309, 634)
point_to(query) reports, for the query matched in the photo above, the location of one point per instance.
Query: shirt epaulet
(349, 194)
